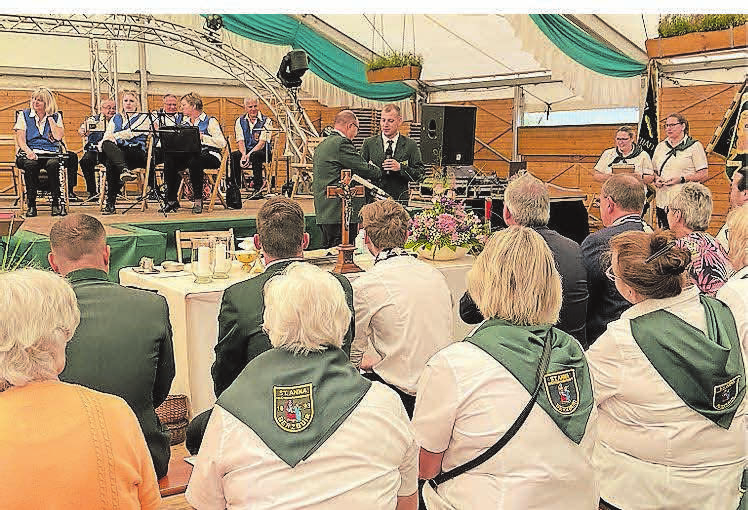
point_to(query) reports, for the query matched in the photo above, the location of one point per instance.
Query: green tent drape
(326, 60)
(586, 50)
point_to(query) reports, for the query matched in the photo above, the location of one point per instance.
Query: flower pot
(698, 42)
(393, 74)
(443, 253)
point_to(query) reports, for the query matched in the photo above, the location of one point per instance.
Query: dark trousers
(88, 166)
(71, 168)
(662, 218)
(409, 401)
(117, 159)
(256, 159)
(174, 162)
(332, 234)
(196, 431)
(32, 167)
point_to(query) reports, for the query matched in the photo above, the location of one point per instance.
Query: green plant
(681, 24)
(11, 260)
(394, 59)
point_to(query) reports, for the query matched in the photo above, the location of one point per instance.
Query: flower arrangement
(446, 225)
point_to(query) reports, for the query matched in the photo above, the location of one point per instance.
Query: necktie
(388, 152)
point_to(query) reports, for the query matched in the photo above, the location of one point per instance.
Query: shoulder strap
(509, 434)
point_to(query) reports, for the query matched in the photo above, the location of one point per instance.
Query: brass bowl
(248, 258)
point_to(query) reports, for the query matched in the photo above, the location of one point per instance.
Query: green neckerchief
(620, 157)
(87, 274)
(294, 403)
(566, 395)
(705, 371)
(683, 145)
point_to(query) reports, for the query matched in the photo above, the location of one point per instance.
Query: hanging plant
(682, 34)
(681, 24)
(394, 66)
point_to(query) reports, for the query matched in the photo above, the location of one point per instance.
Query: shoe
(109, 208)
(31, 211)
(126, 175)
(169, 207)
(72, 197)
(198, 207)
(56, 209)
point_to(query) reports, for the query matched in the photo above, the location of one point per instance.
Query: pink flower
(447, 223)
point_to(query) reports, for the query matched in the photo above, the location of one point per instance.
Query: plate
(142, 270)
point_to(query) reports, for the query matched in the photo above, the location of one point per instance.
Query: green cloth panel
(586, 50)
(326, 60)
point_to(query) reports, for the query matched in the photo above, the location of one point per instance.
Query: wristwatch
(682, 179)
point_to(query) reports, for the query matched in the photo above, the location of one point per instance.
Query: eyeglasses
(672, 125)
(610, 274)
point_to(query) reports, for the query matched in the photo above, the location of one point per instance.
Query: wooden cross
(345, 192)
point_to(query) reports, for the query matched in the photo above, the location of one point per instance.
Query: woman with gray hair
(61, 445)
(688, 214)
(473, 395)
(300, 427)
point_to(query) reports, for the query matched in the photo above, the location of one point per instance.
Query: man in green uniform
(241, 338)
(123, 344)
(397, 155)
(336, 153)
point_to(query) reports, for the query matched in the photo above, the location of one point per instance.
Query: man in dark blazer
(621, 203)
(281, 236)
(336, 153)
(123, 344)
(397, 155)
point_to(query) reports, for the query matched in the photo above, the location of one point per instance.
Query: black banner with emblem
(649, 134)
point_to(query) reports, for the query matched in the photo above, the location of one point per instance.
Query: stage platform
(139, 234)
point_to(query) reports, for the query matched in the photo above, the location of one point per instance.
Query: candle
(220, 254)
(203, 260)
(487, 212)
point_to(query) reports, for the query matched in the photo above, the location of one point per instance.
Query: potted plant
(446, 231)
(394, 66)
(10, 258)
(683, 34)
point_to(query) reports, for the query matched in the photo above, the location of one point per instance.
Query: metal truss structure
(103, 71)
(204, 46)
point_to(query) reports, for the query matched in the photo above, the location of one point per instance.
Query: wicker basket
(178, 431)
(173, 409)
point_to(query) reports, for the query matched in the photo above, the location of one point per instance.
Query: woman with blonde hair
(669, 383)
(61, 445)
(39, 131)
(517, 389)
(735, 291)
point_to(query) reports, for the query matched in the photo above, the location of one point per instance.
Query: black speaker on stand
(447, 134)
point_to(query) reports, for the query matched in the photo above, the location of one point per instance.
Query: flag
(649, 135)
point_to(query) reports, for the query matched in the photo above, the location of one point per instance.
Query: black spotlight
(214, 22)
(292, 68)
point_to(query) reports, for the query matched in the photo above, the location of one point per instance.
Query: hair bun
(675, 261)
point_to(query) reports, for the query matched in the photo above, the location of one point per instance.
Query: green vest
(705, 371)
(294, 403)
(566, 393)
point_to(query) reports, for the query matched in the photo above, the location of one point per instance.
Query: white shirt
(370, 460)
(683, 163)
(466, 401)
(20, 125)
(734, 293)
(404, 309)
(654, 451)
(394, 141)
(214, 136)
(264, 135)
(137, 127)
(642, 163)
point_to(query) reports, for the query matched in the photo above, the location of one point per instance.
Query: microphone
(378, 192)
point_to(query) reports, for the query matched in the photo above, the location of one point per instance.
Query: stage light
(292, 68)
(214, 22)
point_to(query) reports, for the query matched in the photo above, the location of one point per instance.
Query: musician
(625, 152)
(168, 115)
(677, 159)
(397, 155)
(211, 141)
(39, 131)
(93, 155)
(124, 146)
(252, 132)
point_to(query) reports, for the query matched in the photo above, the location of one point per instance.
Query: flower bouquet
(446, 231)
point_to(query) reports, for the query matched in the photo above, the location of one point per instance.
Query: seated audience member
(738, 197)
(39, 130)
(252, 131)
(93, 155)
(123, 344)
(688, 215)
(241, 337)
(621, 203)
(667, 441)
(735, 291)
(212, 142)
(527, 202)
(124, 146)
(625, 152)
(472, 392)
(403, 306)
(300, 427)
(61, 445)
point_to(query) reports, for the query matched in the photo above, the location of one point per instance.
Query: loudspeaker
(447, 134)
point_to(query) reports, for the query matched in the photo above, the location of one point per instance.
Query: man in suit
(397, 155)
(280, 234)
(123, 344)
(335, 153)
(621, 203)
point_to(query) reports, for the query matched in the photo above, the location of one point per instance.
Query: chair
(215, 176)
(140, 173)
(8, 144)
(304, 175)
(184, 239)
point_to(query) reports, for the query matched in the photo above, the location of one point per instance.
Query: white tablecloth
(193, 310)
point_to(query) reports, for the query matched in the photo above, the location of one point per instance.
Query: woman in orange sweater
(61, 445)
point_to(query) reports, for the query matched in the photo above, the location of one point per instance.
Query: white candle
(220, 257)
(203, 260)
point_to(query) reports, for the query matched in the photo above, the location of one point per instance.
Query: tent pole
(517, 110)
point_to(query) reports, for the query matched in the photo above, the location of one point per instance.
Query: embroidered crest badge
(293, 407)
(725, 394)
(562, 391)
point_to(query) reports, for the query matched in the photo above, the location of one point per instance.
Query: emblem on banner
(293, 407)
(725, 394)
(562, 391)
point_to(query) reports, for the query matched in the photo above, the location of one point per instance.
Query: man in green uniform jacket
(336, 153)
(397, 155)
(123, 344)
(280, 227)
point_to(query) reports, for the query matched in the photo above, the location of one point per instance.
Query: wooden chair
(215, 176)
(140, 173)
(304, 171)
(184, 239)
(8, 145)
